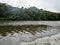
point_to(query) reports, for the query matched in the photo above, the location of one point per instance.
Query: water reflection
(27, 34)
(29, 28)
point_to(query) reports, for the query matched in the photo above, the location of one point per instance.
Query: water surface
(30, 33)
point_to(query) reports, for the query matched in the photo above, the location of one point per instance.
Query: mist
(50, 5)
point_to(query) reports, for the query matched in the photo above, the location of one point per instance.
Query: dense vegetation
(8, 12)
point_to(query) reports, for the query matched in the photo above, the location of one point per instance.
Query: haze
(50, 5)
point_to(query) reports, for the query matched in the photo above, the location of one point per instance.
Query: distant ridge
(8, 12)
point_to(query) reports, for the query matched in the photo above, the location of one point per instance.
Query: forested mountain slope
(8, 12)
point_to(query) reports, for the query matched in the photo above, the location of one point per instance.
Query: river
(48, 36)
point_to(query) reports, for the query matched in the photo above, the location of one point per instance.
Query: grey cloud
(52, 5)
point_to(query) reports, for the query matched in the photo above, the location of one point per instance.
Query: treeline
(8, 12)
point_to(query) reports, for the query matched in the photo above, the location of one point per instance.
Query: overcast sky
(51, 5)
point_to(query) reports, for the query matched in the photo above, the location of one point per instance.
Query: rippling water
(51, 23)
(50, 35)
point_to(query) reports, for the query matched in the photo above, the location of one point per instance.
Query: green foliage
(3, 8)
(14, 13)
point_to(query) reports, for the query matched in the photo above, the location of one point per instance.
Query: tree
(3, 9)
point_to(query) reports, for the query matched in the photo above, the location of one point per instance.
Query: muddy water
(31, 35)
(51, 23)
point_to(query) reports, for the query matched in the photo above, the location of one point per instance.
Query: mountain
(32, 13)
